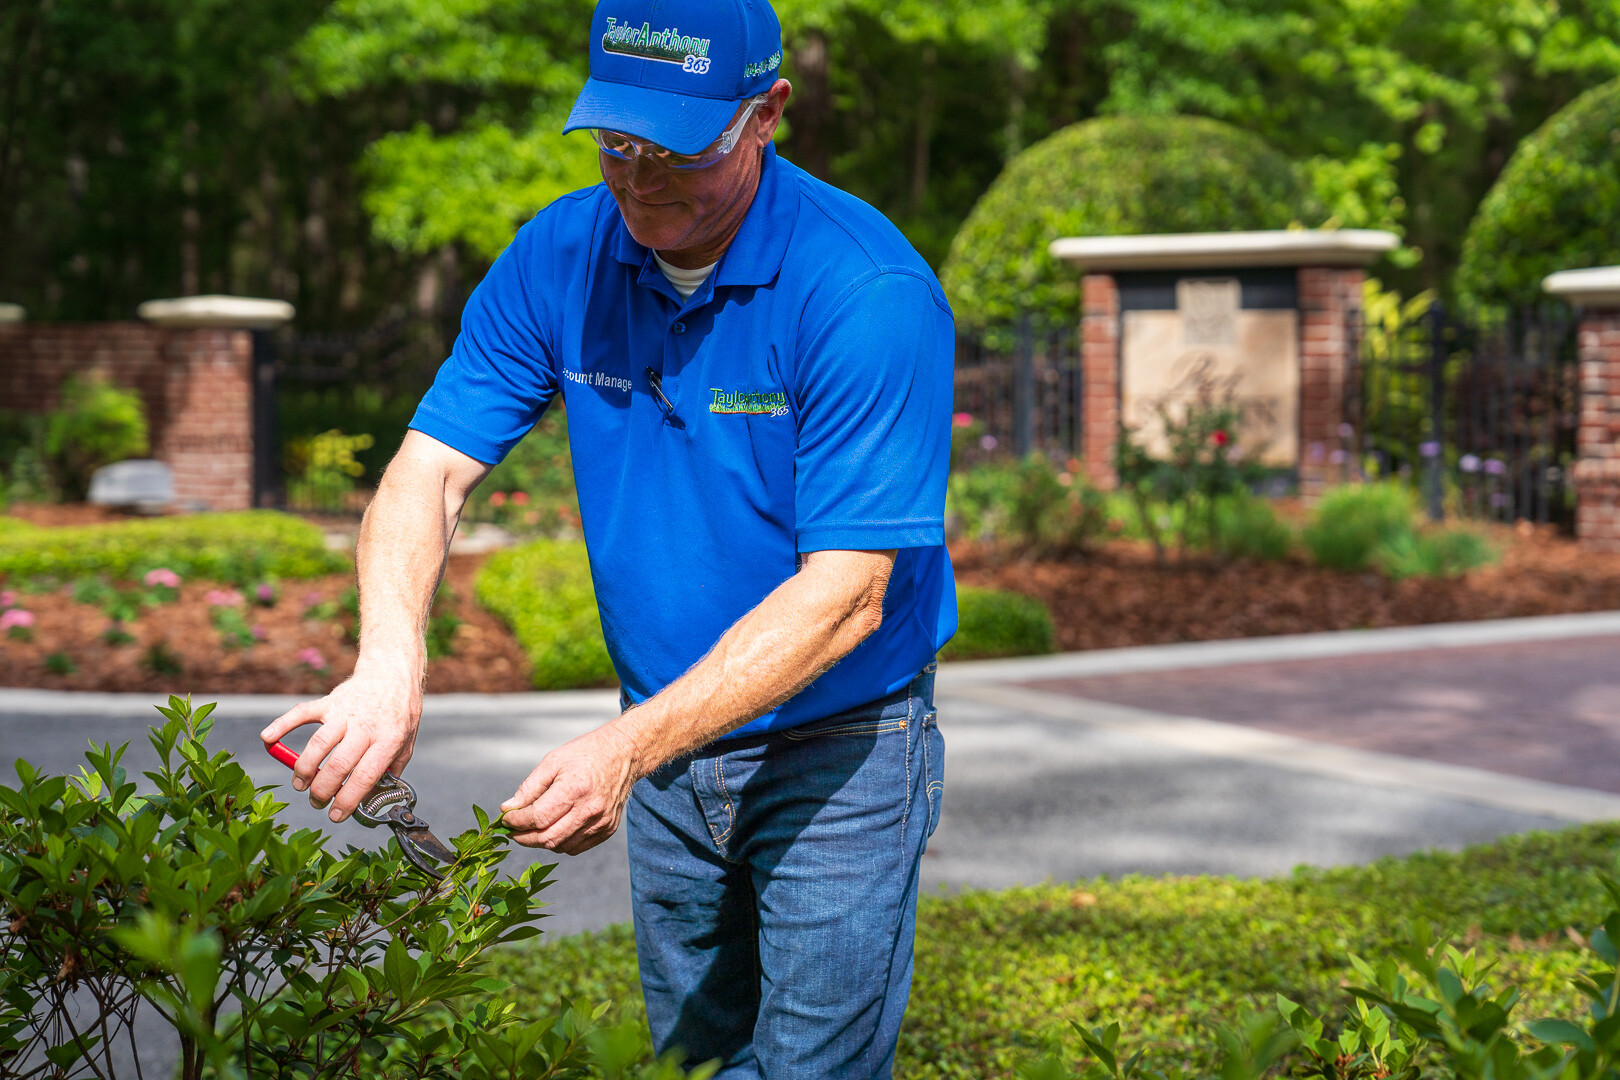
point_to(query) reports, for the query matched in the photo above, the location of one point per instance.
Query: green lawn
(998, 974)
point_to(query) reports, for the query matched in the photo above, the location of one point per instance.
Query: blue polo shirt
(810, 378)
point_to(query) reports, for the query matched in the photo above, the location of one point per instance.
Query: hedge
(1556, 206)
(999, 974)
(1111, 176)
(992, 622)
(236, 547)
(542, 590)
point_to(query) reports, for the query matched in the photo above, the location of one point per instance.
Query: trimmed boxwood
(1110, 176)
(1556, 206)
(543, 591)
(993, 622)
(234, 547)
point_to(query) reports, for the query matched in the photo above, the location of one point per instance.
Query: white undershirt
(686, 282)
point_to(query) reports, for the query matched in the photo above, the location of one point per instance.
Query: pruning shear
(393, 803)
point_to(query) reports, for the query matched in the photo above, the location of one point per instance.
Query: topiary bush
(993, 622)
(239, 548)
(1556, 206)
(543, 591)
(1112, 176)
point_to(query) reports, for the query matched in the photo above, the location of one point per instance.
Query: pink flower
(311, 599)
(163, 576)
(312, 656)
(962, 419)
(266, 593)
(520, 498)
(258, 633)
(497, 498)
(8, 598)
(223, 598)
(16, 619)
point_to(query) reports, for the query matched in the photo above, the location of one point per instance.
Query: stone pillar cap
(217, 313)
(1598, 286)
(1226, 250)
(12, 313)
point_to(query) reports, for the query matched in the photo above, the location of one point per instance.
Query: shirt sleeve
(874, 413)
(501, 373)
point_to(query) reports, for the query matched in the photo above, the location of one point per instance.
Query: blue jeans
(774, 884)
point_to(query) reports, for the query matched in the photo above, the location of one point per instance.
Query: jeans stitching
(731, 814)
(905, 815)
(865, 727)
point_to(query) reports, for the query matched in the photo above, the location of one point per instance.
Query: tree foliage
(1555, 207)
(1112, 176)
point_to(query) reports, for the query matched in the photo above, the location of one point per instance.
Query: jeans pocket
(933, 752)
(873, 726)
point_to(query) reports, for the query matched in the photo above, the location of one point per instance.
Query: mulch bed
(1113, 597)
(1117, 596)
(486, 657)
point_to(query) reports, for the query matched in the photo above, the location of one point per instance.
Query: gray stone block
(141, 483)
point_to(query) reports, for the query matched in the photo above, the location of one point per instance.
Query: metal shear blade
(393, 802)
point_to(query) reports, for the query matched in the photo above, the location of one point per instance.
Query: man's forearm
(807, 624)
(400, 557)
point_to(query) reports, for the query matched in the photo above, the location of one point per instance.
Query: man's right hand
(367, 727)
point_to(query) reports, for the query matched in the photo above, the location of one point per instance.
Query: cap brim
(686, 125)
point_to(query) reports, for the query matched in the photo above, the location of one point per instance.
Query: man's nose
(645, 176)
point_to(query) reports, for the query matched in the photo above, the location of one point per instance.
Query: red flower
(1221, 437)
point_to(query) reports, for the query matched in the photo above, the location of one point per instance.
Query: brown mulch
(1118, 597)
(486, 656)
(58, 514)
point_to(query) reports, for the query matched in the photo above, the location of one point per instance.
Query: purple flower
(1498, 500)
(1495, 467)
(1346, 431)
(1337, 457)
(266, 593)
(312, 657)
(258, 632)
(988, 442)
(1317, 451)
(162, 576)
(16, 619)
(1468, 463)
(1429, 449)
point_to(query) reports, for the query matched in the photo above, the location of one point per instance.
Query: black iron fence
(1022, 388)
(1481, 418)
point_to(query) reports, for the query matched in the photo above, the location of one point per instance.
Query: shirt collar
(756, 253)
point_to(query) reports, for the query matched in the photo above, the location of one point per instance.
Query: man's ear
(770, 113)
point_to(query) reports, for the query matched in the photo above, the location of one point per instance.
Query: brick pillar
(208, 440)
(1597, 470)
(1328, 298)
(1099, 371)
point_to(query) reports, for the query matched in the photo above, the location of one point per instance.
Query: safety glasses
(616, 144)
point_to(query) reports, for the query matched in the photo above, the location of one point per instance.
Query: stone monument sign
(1257, 320)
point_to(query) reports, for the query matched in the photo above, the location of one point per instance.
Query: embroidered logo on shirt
(748, 402)
(668, 46)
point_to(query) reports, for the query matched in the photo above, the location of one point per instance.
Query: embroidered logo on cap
(667, 46)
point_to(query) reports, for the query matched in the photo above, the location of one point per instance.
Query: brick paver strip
(1543, 710)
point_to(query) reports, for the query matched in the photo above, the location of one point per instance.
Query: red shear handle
(283, 753)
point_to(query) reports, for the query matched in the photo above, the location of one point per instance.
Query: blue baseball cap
(674, 71)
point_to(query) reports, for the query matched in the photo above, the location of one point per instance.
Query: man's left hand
(574, 799)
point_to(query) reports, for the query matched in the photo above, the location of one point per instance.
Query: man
(757, 369)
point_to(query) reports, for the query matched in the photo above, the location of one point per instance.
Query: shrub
(1350, 523)
(543, 591)
(97, 424)
(998, 974)
(177, 902)
(1553, 208)
(239, 548)
(26, 475)
(992, 622)
(1249, 529)
(1027, 503)
(1111, 176)
(324, 469)
(1435, 553)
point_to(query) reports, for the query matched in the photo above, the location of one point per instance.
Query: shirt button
(679, 328)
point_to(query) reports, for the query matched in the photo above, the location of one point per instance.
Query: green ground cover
(999, 974)
(238, 548)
